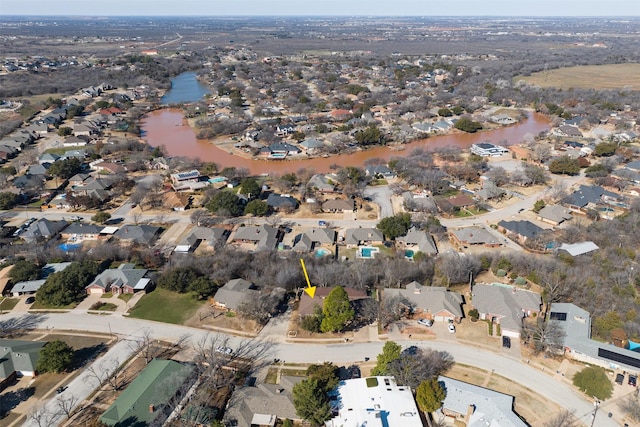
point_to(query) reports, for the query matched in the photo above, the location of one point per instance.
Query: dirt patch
(611, 76)
(213, 318)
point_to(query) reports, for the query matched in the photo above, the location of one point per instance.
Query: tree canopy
(225, 203)
(337, 311)
(564, 165)
(467, 125)
(390, 352)
(257, 208)
(68, 286)
(251, 187)
(370, 135)
(56, 357)
(311, 403)
(24, 270)
(8, 200)
(430, 394)
(593, 381)
(186, 279)
(395, 226)
(65, 169)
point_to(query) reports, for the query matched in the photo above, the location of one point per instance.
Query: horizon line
(318, 16)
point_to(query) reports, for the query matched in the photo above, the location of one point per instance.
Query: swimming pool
(69, 247)
(409, 253)
(322, 252)
(368, 252)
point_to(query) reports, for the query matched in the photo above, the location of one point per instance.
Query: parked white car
(452, 328)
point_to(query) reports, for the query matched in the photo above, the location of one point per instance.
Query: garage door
(441, 319)
(95, 291)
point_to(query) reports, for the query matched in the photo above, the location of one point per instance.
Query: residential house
(418, 240)
(262, 237)
(367, 401)
(30, 287)
(83, 130)
(284, 148)
(502, 119)
(147, 400)
(380, 172)
(43, 229)
(38, 169)
(175, 201)
(307, 304)
(263, 404)
(284, 130)
(74, 154)
(554, 214)
(214, 237)
(18, 358)
(126, 279)
(139, 234)
(281, 202)
(435, 303)
(79, 231)
(489, 191)
(234, 293)
(589, 196)
(505, 305)
(29, 182)
(39, 128)
(363, 236)
(188, 176)
(578, 345)
(474, 406)
(312, 144)
(576, 249)
(307, 241)
(568, 131)
(48, 158)
(523, 230)
(338, 205)
(109, 168)
(419, 202)
(322, 183)
(487, 149)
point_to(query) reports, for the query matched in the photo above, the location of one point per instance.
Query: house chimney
(470, 410)
(152, 408)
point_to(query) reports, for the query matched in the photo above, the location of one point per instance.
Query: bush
(474, 315)
(593, 381)
(55, 357)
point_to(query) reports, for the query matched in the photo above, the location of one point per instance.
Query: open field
(612, 76)
(166, 306)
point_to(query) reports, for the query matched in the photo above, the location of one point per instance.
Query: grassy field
(7, 304)
(166, 306)
(613, 76)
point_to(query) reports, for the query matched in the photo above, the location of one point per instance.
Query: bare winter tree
(67, 404)
(547, 336)
(148, 348)
(111, 375)
(393, 309)
(416, 365)
(631, 406)
(563, 419)
(42, 416)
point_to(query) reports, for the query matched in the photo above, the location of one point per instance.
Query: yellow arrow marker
(310, 290)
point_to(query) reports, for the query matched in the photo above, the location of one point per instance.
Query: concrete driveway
(381, 196)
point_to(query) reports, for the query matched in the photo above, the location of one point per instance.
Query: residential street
(126, 328)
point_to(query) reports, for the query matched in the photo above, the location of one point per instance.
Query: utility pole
(596, 403)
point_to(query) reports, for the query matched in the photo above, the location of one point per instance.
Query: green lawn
(166, 306)
(125, 297)
(39, 306)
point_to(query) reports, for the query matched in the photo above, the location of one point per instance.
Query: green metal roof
(158, 382)
(19, 356)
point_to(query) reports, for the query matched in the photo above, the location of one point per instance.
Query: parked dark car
(506, 341)
(620, 379)
(30, 300)
(633, 380)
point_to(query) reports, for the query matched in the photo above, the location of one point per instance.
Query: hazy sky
(323, 7)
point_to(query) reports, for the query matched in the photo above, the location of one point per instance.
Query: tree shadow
(12, 399)
(14, 326)
(83, 356)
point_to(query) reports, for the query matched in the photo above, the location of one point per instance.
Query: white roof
(263, 420)
(576, 249)
(373, 402)
(109, 230)
(142, 283)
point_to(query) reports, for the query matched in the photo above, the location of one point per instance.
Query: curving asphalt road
(128, 329)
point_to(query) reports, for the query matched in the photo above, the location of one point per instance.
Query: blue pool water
(69, 247)
(409, 253)
(367, 252)
(321, 252)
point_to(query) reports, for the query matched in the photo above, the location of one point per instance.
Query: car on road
(60, 390)
(506, 341)
(452, 328)
(30, 300)
(224, 350)
(425, 322)
(633, 380)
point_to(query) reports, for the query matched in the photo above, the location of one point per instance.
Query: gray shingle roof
(475, 236)
(420, 238)
(555, 213)
(235, 292)
(43, 228)
(124, 275)
(505, 302)
(430, 298)
(489, 407)
(18, 356)
(137, 233)
(525, 229)
(356, 236)
(265, 236)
